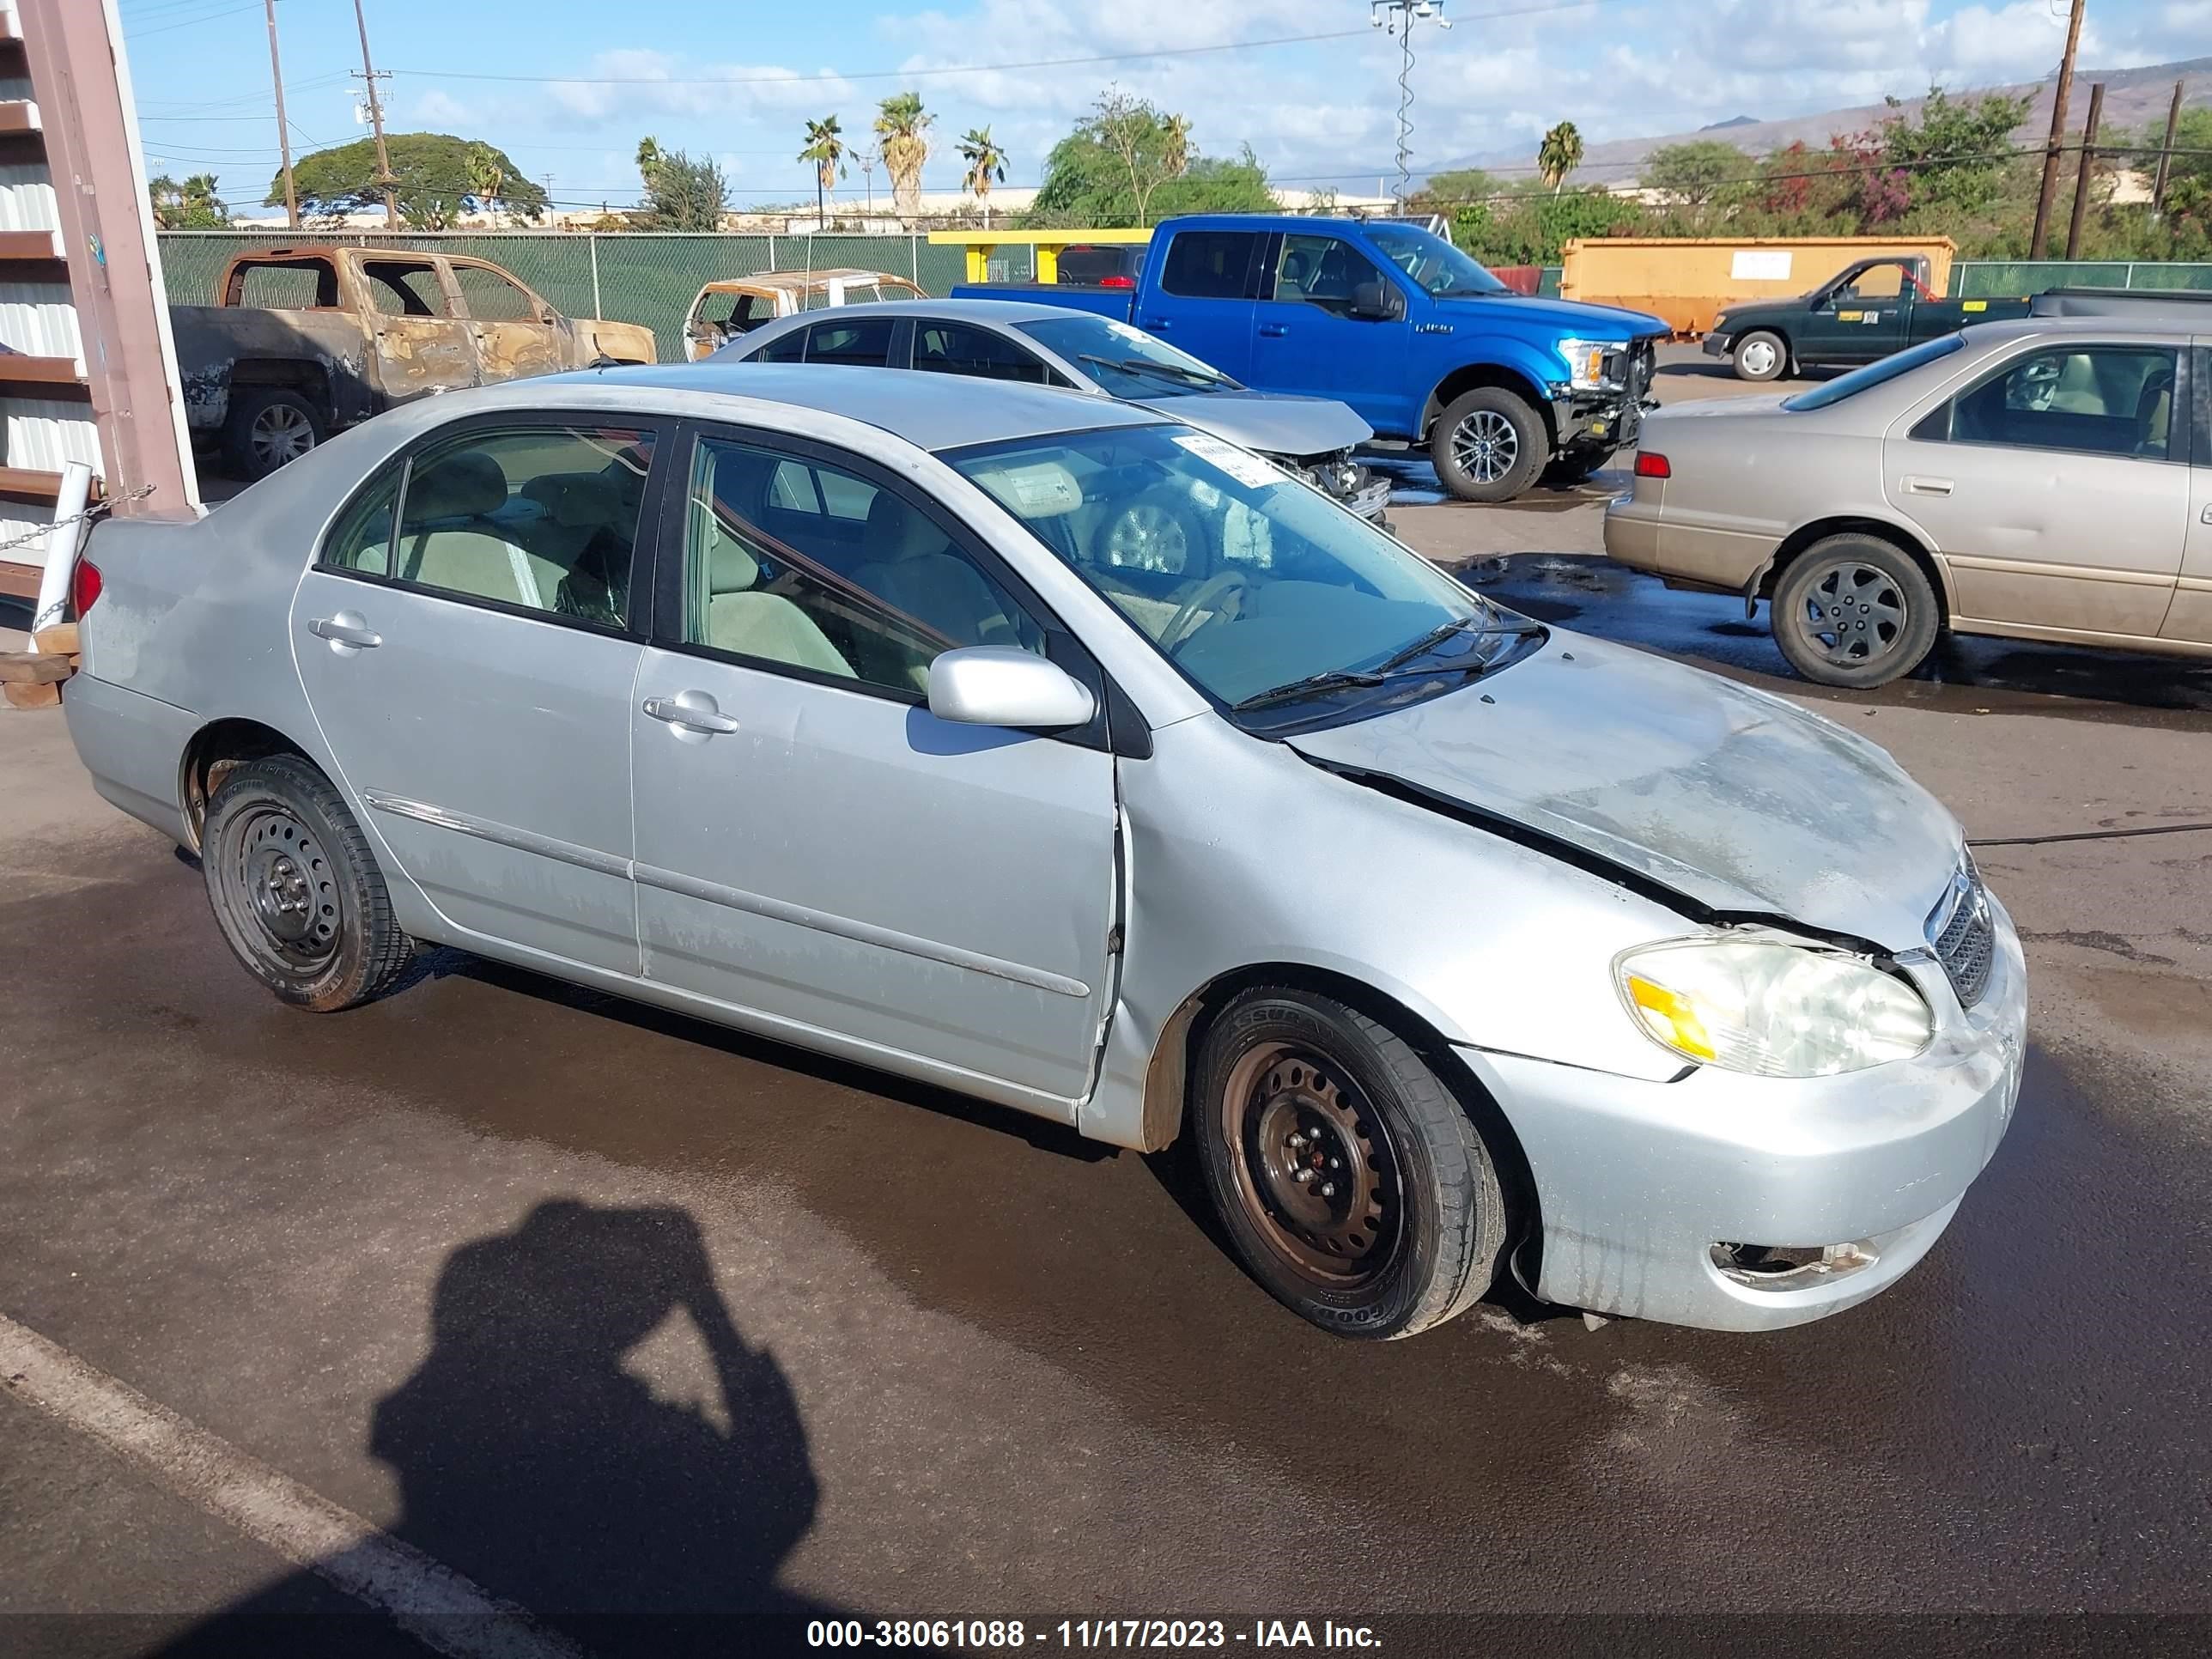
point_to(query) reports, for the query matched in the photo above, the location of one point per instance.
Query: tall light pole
(1398, 17)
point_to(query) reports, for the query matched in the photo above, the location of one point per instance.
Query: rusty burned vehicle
(303, 342)
(723, 311)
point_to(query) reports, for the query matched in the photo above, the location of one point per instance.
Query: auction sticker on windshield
(1247, 469)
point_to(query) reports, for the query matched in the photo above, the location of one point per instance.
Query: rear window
(1088, 266)
(1875, 374)
(1209, 264)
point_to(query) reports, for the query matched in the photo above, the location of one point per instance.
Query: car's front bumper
(1637, 1182)
(1718, 344)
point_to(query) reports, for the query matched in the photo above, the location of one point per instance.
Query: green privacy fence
(1991, 279)
(631, 276)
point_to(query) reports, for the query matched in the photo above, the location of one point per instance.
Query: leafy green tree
(987, 166)
(1560, 155)
(1536, 228)
(192, 205)
(432, 180)
(1130, 163)
(1953, 157)
(682, 194)
(648, 157)
(1698, 173)
(902, 140)
(825, 148)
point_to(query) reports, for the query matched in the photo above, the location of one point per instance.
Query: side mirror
(1374, 302)
(999, 685)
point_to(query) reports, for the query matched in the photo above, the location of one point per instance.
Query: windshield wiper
(1139, 366)
(1330, 679)
(1490, 629)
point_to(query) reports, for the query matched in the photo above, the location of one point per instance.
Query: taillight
(84, 585)
(1117, 282)
(1651, 464)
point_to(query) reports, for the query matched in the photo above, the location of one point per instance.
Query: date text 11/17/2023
(1006, 1635)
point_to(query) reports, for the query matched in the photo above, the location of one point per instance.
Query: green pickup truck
(1865, 311)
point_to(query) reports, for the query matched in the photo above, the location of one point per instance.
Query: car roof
(1003, 312)
(931, 412)
(801, 279)
(2165, 330)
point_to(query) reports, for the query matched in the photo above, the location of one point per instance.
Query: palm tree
(1174, 149)
(1560, 155)
(902, 127)
(192, 205)
(825, 148)
(649, 157)
(987, 165)
(486, 179)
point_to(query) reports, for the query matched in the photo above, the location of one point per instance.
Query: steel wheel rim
(1147, 537)
(1759, 357)
(1287, 1112)
(282, 434)
(1486, 446)
(1853, 614)
(280, 882)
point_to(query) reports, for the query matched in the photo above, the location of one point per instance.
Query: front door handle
(1156, 324)
(1274, 330)
(348, 632)
(1927, 486)
(692, 711)
(2205, 517)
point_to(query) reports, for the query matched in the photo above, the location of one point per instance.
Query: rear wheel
(268, 427)
(295, 889)
(1349, 1176)
(1489, 445)
(1761, 354)
(1854, 611)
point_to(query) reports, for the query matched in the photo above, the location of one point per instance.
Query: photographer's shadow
(532, 1460)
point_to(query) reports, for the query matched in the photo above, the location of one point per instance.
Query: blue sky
(568, 86)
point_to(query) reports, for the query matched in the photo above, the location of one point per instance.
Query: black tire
(1577, 466)
(1486, 464)
(1761, 354)
(267, 427)
(1159, 532)
(1423, 1246)
(295, 889)
(1854, 611)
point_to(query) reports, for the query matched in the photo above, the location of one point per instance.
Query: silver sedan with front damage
(1459, 948)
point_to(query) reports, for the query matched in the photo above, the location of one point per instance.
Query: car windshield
(1432, 262)
(1124, 362)
(1277, 604)
(1860, 380)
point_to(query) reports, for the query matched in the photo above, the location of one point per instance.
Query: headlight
(1586, 361)
(1772, 1009)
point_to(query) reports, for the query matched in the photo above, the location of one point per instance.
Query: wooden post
(2058, 134)
(283, 128)
(2083, 179)
(2166, 153)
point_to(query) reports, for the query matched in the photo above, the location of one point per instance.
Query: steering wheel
(1216, 586)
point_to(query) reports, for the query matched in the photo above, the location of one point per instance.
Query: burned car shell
(1313, 438)
(1480, 886)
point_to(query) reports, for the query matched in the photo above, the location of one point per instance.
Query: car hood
(1733, 798)
(1271, 423)
(1567, 317)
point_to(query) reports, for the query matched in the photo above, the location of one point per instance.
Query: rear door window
(492, 297)
(2099, 400)
(402, 290)
(1209, 264)
(864, 344)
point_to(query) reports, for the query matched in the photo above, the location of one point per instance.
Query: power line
(190, 22)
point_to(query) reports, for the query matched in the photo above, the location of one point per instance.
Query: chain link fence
(1995, 279)
(630, 276)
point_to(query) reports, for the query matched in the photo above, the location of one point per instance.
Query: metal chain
(96, 510)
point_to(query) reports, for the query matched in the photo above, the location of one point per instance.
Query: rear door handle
(1927, 486)
(1274, 330)
(348, 630)
(2205, 517)
(1156, 324)
(694, 711)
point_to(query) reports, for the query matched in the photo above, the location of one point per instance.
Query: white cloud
(437, 108)
(629, 81)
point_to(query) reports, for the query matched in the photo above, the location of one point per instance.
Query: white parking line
(428, 1600)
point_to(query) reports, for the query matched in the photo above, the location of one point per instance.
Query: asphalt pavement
(606, 1311)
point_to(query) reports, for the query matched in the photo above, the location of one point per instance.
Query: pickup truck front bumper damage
(1589, 421)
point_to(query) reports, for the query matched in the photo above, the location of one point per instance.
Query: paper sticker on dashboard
(1246, 468)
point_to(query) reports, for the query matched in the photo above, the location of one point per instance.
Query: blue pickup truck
(1417, 338)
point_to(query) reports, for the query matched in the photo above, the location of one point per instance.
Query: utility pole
(2088, 166)
(1399, 16)
(384, 179)
(284, 131)
(2165, 154)
(2057, 131)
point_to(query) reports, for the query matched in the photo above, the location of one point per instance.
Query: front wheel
(296, 890)
(1854, 611)
(1761, 354)
(1489, 445)
(1350, 1177)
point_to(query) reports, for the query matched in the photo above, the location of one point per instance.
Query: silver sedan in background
(2050, 479)
(802, 700)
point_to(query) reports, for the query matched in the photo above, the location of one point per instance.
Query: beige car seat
(914, 569)
(751, 623)
(448, 540)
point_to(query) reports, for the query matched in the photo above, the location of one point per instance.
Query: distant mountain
(2133, 98)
